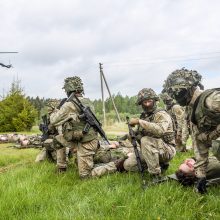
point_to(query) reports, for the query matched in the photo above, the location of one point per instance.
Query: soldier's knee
(146, 140)
(130, 165)
(56, 144)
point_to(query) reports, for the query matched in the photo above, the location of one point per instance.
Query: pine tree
(16, 112)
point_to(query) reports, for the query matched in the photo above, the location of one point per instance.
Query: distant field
(34, 191)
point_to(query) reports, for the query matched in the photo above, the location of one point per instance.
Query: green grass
(35, 191)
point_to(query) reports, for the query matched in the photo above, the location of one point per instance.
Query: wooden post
(101, 71)
(103, 99)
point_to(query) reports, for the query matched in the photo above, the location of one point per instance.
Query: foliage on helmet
(165, 97)
(146, 94)
(52, 104)
(182, 78)
(73, 84)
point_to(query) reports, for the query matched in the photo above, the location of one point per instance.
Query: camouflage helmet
(145, 94)
(182, 78)
(73, 84)
(165, 97)
(51, 105)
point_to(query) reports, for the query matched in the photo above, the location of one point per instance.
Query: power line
(144, 60)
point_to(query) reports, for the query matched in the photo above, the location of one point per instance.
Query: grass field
(34, 191)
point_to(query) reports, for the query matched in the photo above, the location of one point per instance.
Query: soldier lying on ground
(12, 138)
(33, 141)
(3, 138)
(186, 172)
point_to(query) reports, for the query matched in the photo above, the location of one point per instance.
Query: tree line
(19, 112)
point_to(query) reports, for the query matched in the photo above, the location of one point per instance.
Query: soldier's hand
(134, 121)
(201, 185)
(114, 145)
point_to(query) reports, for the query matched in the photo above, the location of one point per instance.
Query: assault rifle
(134, 143)
(44, 128)
(89, 117)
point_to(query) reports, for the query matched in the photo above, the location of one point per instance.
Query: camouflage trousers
(156, 151)
(130, 164)
(62, 145)
(153, 152)
(48, 152)
(85, 159)
(102, 169)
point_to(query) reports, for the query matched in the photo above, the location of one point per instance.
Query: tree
(16, 112)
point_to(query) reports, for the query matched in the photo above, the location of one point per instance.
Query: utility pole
(102, 90)
(103, 76)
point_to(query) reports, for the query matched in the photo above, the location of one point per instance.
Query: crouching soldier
(204, 110)
(157, 141)
(73, 125)
(49, 132)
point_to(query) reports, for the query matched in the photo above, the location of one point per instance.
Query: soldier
(86, 144)
(177, 113)
(157, 134)
(186, 172)
(32, 141)
(204, 109)
(48, 150)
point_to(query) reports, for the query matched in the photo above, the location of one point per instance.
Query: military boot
(164, 167)
(119, 163)
(61, 170)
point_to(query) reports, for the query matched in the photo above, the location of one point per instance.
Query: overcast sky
(139, 43)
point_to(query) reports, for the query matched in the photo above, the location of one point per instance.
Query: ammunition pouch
(209, 136)
(73, 131)
(73, 135)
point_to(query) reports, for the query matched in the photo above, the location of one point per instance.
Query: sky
(139, 43)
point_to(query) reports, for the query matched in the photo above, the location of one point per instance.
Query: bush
(16, 112)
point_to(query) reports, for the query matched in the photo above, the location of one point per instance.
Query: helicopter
(7, 66)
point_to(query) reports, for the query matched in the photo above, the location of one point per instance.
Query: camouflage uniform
(35, 141)
(48, 151)
(106, 157)
(177, 114)
(204, 110)
(213, 168)
(72, 127)
(185, 127)
(32, 141)
(158, 138)
(203, 138)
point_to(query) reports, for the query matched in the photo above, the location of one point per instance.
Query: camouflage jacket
(177, 113)
(72, 125)
(159, 124)
(203, 139)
